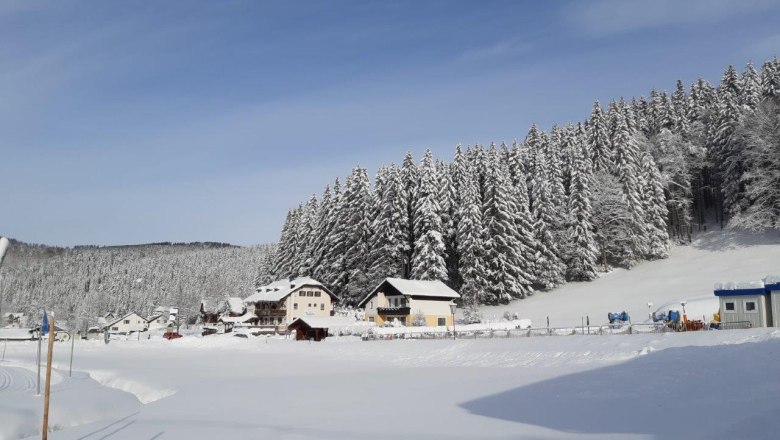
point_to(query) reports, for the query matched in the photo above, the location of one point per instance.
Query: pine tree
(549, 267)
(627, 172)
(388, 235)
(598, 139)
(581, 252)
(428, 258)
(751, 88)
(656, 210)
(470, 239)
(504, 251)
(410, 180)
(357, 219)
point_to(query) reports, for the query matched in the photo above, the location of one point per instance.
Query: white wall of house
(130, 323)
(308, 301)
(741, 305)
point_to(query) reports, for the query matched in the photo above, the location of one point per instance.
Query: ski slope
(689, 273)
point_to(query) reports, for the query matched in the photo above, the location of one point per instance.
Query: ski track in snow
(16, 379)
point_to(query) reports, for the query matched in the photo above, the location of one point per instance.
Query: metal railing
(588, 330)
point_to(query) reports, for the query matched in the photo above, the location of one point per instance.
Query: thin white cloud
(495, 50)
(607, 17)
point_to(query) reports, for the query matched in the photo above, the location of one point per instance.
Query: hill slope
(689, 272)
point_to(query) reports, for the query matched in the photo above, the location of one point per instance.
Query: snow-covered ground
(694, 385)
(710, 384)
(690, 273)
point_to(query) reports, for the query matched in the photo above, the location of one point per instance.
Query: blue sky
(132, 122)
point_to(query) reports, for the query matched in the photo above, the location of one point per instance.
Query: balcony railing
(393, 310)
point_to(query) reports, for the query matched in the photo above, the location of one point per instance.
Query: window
(322, 306)
(301, 293)
(442, 322)
(127, 321)
(750, 306)
(371, 304)
(114, 328)
(729, 306)
(295, 306)
(370, 319)
(310, 293)
(317, 294)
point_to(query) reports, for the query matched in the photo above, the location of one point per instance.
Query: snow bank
(143, 392)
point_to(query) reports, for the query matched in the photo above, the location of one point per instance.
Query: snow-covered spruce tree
(627, 171)
(549, 268)
(410, 180)
(447, 215)
(428, 259)
(333, 267)
(580, 247)
(762, 160)
(388, 235)
(458, 173)
(357, 219)
(553, 159)
(288, 243)
(503, 249)
(598, 139)
(470, 239)
(655, 209)
(770, 79)
(322, 229)
(681, 105)
(525, 252)
(751, 88)
(307, 225)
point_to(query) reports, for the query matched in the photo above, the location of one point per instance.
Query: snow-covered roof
(280, 289)
(235, 305)
(325, 321)
(16, 333)
(427, 288)
(234, 319)
(729, 288)
(772, 282)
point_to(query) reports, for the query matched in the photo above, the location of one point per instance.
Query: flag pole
(45, 430)
(38, 381)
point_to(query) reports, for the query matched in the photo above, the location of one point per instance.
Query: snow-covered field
(694, 385)
(711, 384)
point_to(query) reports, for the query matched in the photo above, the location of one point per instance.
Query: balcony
(393, 310)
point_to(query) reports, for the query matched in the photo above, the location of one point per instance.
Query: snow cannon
(3, 247)
(618, 318)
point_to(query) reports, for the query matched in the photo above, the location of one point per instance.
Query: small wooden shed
(317, 327)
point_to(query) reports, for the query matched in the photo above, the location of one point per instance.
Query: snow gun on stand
(618, 318)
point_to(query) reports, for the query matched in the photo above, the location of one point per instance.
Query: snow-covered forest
(503, 221)
(85, 282)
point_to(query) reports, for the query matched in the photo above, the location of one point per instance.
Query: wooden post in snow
(47, 389)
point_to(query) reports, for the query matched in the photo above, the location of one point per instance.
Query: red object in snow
(172, 336)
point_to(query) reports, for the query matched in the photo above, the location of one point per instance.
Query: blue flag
(45, 324)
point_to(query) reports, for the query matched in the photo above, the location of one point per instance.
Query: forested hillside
(502, 221)
(84, 282)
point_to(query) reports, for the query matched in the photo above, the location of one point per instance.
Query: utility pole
(45, 429)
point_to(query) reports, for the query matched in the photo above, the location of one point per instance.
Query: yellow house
(283, 301)
(406, 300)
